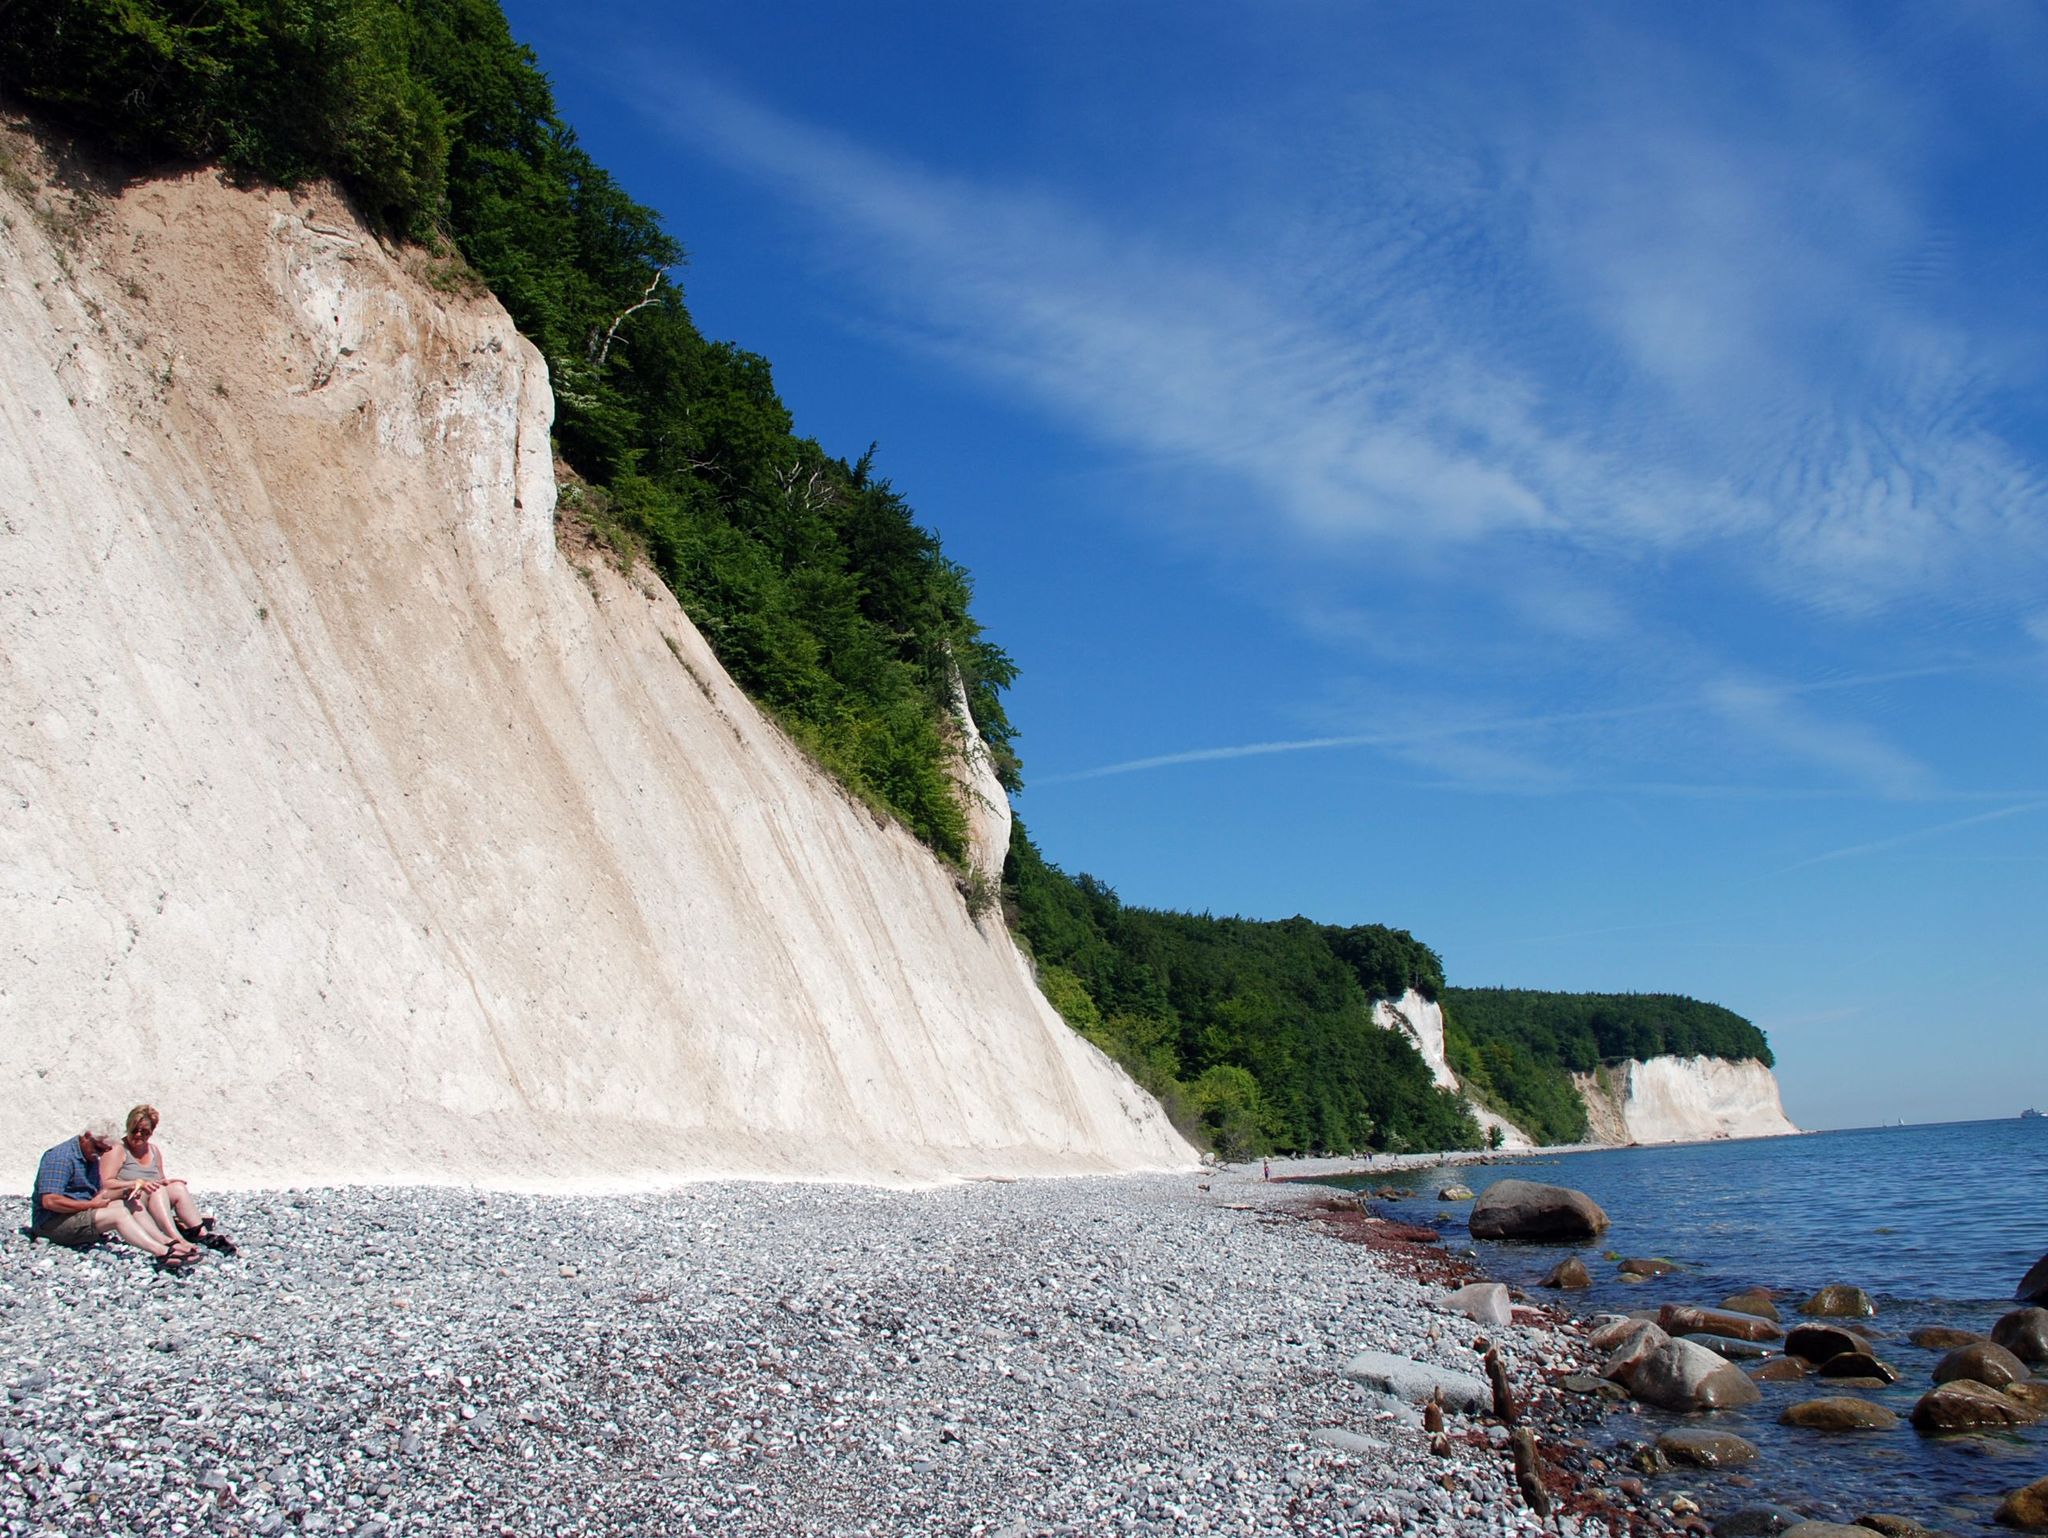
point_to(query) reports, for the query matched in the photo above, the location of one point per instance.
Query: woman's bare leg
(189, 1215)
(142, 1209)
(158, 1204)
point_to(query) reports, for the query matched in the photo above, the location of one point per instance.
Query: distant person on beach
(68, 1207)
(134, 1169)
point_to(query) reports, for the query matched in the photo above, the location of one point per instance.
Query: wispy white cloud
(1773, 713)
(1776, 718)
(1681, 316)
(1918, 835)
(1707, 298)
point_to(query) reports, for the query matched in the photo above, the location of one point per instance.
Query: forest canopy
(1580, 1031)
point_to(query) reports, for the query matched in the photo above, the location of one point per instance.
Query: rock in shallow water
(1895, 1527)
(1681, 1376)
(2026, 1507)
(1733, 1350)
(1840, 1413)
(1939, 1337)
(1706, 1449)
(1757, 1522)
(2024, 1332)
(1569, 1275)
(2033, 1287)
(1965, 1405)
(1522, 1209)
(1754, 1301)
(1983, 1363)
(1633, 1347)
(1817, 1342)
(1786, 1369)
(1859, 1364)
(1684, 1319)
(1839, 1301)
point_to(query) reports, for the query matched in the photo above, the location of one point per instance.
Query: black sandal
(209, 1236)
(175, 1264)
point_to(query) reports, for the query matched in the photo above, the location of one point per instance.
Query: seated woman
(134, 1167)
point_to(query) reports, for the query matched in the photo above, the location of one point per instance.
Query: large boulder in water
(1843, 1412)
(1985, 1363)
(1681, 1376)
(1684, 1319)
(2033, 1287)
(1968, 1406)
(2024, 1332)
(1838, 1301)
(1939, 1337)
(1522, 1209)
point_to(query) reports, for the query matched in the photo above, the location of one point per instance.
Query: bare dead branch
(600, 353)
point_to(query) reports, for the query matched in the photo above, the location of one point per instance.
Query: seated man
(69, 1208)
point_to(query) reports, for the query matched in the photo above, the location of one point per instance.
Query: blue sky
(1568, 481)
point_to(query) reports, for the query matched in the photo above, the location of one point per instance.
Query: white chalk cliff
(371, 834)
(1683, 1100)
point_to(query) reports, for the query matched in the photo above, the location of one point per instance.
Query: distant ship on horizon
(2030, 1114)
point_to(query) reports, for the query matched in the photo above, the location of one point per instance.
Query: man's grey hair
(103, 1129)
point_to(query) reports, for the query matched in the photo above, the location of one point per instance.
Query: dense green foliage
(1259, 1034)
(807, 573)
(1579, 1031)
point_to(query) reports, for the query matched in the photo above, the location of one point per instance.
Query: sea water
(1936, 1223)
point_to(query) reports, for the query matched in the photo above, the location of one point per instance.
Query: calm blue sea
(1937, 1223)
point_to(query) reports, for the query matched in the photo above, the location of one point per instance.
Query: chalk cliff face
(371, 832)
(1422, 1022)
(1683, 1100)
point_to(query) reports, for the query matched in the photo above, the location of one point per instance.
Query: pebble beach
(1135, 1355)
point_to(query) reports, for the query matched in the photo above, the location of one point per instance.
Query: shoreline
(1153, 1353)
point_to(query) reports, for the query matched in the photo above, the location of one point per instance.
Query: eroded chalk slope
(371, 833)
